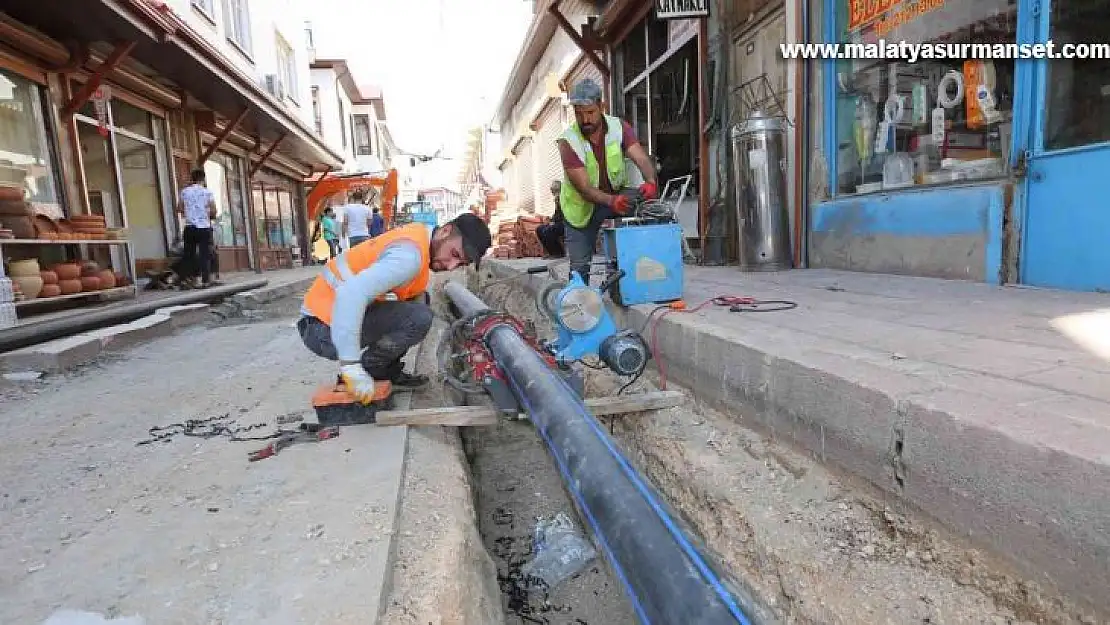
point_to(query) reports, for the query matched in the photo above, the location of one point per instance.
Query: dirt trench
(813, 547)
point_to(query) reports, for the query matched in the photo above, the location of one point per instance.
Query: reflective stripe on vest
(320, 298)
(576, 209)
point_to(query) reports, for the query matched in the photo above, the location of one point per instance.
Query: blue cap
(586, 92)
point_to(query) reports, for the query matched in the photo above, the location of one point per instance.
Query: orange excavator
(333, 184)
(330, 185)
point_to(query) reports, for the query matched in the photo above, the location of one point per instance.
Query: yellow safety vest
(576, 209)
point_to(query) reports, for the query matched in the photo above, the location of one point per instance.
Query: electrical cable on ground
(735, 303)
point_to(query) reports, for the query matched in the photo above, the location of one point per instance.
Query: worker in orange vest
(349, 315)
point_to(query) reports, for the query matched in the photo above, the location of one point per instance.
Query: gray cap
(586, 92)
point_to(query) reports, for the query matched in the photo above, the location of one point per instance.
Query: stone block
(53, 356)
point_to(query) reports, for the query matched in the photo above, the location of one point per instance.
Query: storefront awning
(169, 46)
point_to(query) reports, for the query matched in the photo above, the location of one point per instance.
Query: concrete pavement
(188, 531)
(986, 408)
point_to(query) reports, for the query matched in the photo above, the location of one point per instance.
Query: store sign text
(863, 12)
(679, 9)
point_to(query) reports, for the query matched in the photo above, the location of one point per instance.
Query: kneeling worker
(346, 316)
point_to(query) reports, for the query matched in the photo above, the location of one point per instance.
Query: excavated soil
(812, 546)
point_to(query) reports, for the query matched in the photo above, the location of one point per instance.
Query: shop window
(131, 118)
(633, 54)
(238, 24)
(674, 107)
(273, 218)
(225, 179)
(317, 116)
(930, 122)
(1078, 108)
(658, 38)
(285, 210)
(26, 158)
(205, 7)
(636, 113)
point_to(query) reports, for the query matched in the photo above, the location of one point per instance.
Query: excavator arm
(332, 184)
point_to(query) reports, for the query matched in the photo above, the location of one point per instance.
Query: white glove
(359, 383)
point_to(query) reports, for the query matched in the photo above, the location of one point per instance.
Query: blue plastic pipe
(666, 577)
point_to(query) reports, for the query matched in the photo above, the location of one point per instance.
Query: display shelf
(119, 290)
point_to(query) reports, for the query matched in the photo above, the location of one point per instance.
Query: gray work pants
(389, 329)
(581, 242)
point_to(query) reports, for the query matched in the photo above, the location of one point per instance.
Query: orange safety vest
(320, 298)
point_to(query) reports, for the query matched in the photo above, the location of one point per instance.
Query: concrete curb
(66, 353)
(932, 446)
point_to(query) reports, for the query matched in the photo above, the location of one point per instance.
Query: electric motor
(625, 353)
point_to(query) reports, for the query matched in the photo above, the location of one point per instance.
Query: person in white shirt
(197, 206)
(356, 223)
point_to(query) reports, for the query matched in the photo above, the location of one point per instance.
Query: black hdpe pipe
(32, 334)
(668, 580)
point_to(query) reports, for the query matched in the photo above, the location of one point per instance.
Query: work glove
(620, 204)
(649, 191)
(358, 382)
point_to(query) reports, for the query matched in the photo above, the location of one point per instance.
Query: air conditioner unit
(274, 86)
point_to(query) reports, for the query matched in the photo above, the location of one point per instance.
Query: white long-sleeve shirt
(398, 264)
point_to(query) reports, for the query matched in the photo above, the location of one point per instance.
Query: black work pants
(389, 329)
(198, 249)
(551, 237)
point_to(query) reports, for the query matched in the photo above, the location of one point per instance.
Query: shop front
(276, 199)
(224, 176)
(656, 90)
(970, 169)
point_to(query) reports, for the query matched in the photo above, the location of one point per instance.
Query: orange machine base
(336, 406)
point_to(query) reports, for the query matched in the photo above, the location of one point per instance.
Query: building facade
(532, 113)
(111, 122)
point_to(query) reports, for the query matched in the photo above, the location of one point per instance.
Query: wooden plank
(484, 415)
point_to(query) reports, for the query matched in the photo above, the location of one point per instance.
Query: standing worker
(356, 223)
(593, 150)
(197, 206)
(377, 223)
(347, 317)
(551, 234)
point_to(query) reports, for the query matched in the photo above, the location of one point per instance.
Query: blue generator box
(651, 258)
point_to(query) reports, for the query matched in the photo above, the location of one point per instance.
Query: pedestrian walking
(197, 206)
(330, 231)
(356, 219)
(593, 150)
(377, 223)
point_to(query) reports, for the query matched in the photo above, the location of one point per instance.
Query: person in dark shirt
(551, 234)
(593, 152)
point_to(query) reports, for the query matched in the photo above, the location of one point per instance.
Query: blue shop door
(1067, 229)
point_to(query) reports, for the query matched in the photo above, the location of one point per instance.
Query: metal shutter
(548, 165)
(526, 177)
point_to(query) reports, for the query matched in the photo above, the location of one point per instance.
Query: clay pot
(107, 279)
(15, 208)
(50, 290)
(21, 227)
(90, 283)
(122, 280)
(30, 286)
(48, 277)
(69, 287)
(24, 268)
(11, 194)
(67, 271)
(89, 269)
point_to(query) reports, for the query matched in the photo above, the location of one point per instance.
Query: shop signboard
(681, 9)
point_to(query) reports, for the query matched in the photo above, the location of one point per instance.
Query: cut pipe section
(668, 580)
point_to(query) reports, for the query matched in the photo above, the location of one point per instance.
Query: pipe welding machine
(648, 248)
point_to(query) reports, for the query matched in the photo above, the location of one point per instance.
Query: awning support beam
(211, 149)
(578, 40)
(327, 171)
(119, 53)
(273, 146)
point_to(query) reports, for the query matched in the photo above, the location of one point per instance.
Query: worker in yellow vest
(593, 152)
(348, 314)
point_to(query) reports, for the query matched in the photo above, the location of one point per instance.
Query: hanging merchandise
(950, 80)
(979, 76)
(920, 104)
(864, 129)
